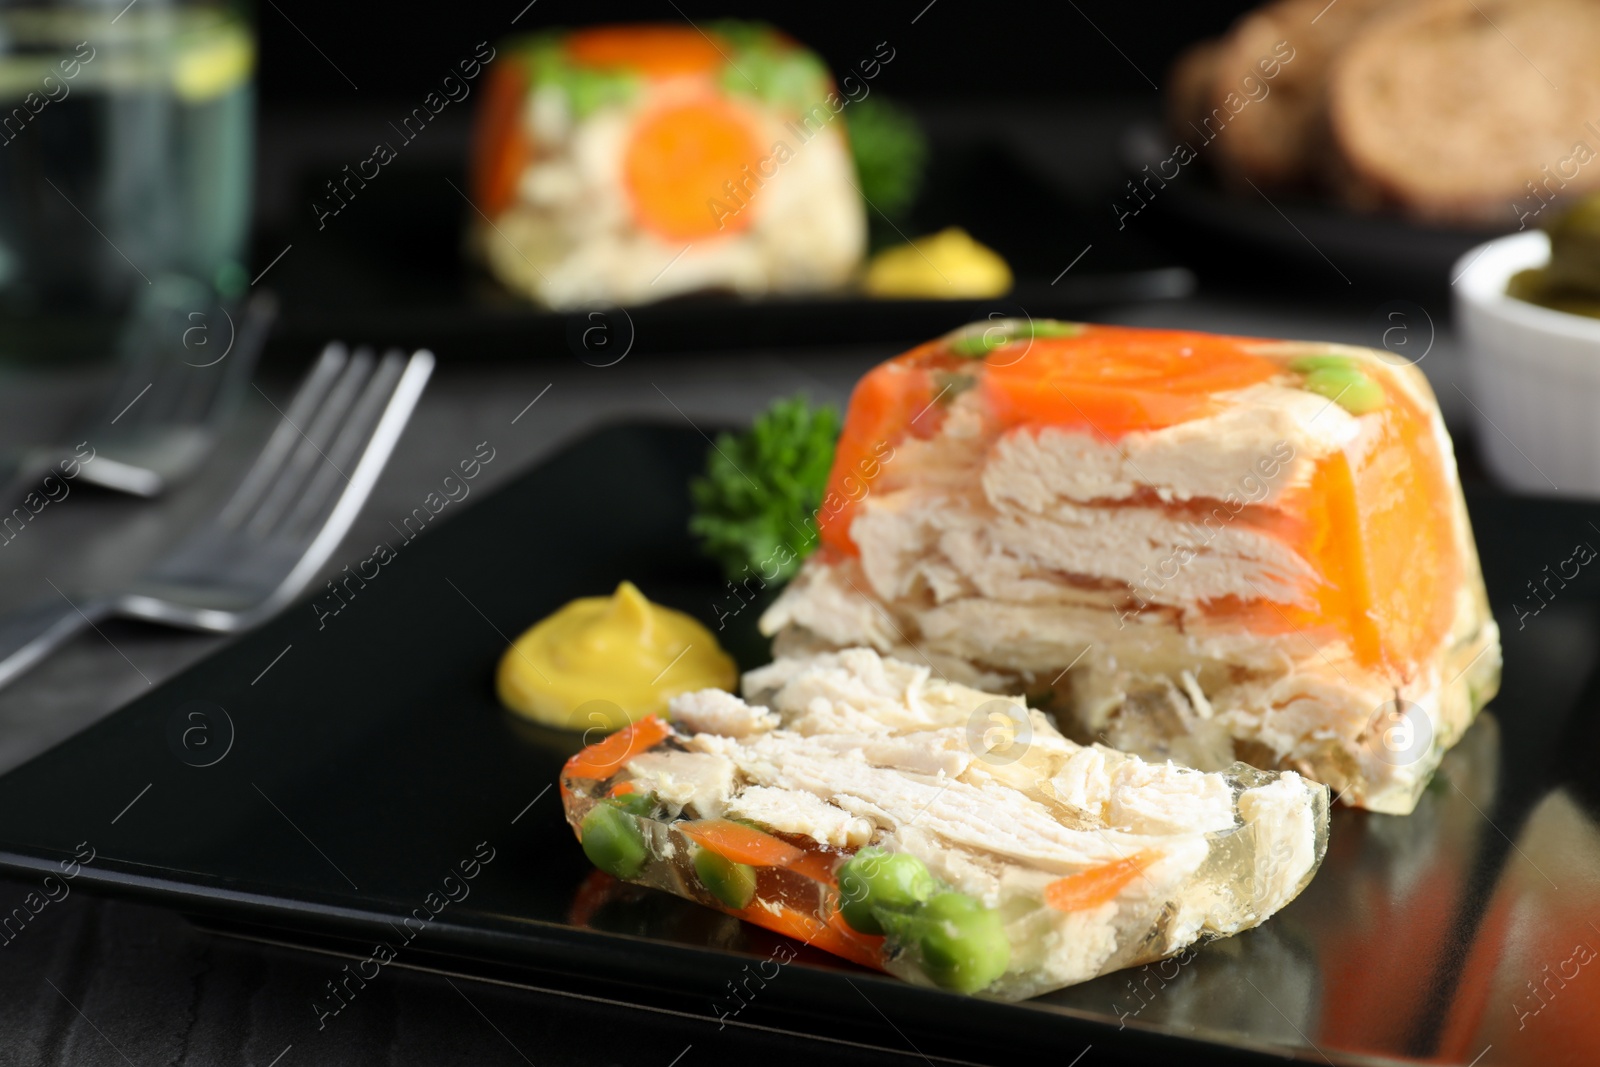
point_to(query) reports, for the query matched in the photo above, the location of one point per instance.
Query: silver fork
(276, 531)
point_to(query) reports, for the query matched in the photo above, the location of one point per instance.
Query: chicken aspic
(946, 835)
(1187, 546)
(607, 155)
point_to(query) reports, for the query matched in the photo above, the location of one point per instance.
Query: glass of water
(125, 160)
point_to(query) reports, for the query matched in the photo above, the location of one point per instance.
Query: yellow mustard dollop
(607, 661)
(950, 265)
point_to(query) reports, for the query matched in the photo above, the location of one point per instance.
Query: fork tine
(225, 579)
(307, 454)
(346, 447)
(347, 504)
(305, 403)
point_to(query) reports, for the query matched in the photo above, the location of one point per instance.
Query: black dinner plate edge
(653, 975)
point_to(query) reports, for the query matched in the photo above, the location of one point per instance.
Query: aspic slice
(940, 833)
(1196, 547)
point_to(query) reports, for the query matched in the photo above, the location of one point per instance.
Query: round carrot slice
(1116, 380)
(680, 161)
(655, 51)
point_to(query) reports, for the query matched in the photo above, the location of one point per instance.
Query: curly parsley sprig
(755, 508)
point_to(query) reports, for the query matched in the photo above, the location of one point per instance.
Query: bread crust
(1279, 138)
(1449, 109)
(1272, 141)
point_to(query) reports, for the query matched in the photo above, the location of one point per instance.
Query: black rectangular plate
(347, 783)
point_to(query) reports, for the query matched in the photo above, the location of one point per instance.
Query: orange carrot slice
(1388, 552)
(655, 51)
(744, 844)
(893, 401)
(831, 936)
(605, 758)
(740, 844)
(622, 789)
(1091, 888)
(681, 159)
(818, 866)
(1113, 380)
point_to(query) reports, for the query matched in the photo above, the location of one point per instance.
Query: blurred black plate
(391, 270)
(363, 758)
(1325, 241)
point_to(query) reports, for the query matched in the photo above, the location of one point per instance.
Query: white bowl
(1535, 374)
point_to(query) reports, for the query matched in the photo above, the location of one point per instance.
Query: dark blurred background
(1027, 108)
(957, 51)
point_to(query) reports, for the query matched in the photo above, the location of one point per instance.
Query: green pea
(634, 803)
(732, 883)
(873, 879)
(1350, 388)
(613, 842)
(1307, 364)
(975, 345)
(963, 943)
